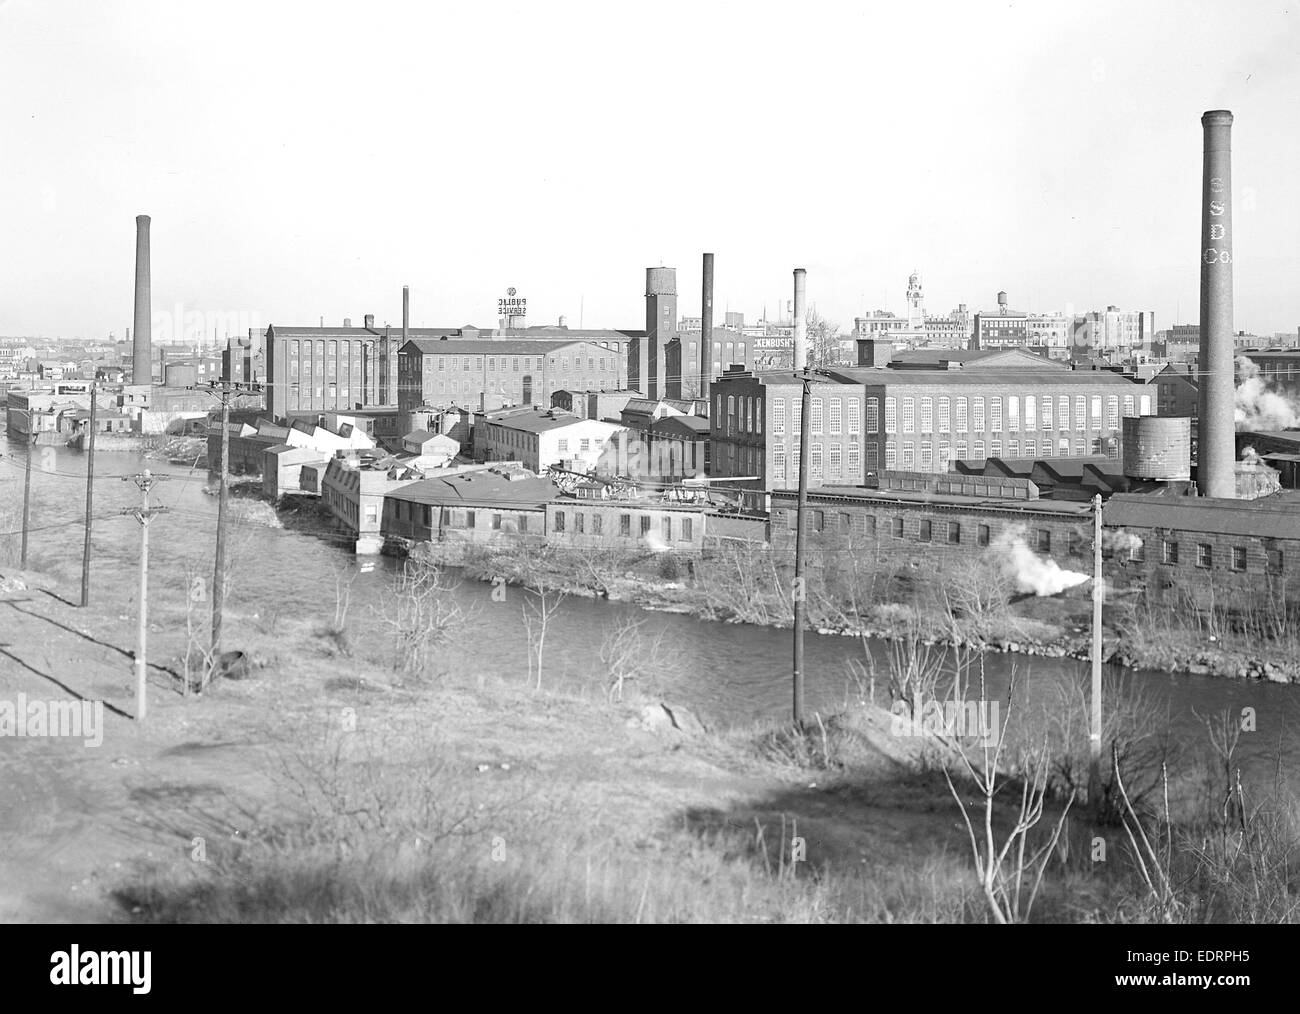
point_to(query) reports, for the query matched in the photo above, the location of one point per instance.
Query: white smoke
(655, 544)
(1119, 541)
(1258, 407)
(1029, 571)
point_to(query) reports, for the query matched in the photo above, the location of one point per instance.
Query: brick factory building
(1214, 552)
(917, 414)
(494, 373)
(926, 516)
(318, 369)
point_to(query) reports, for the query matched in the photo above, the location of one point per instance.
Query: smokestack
(406, 313)
(141, 358)
(1217, 442)
(706, 326)
(800, 325)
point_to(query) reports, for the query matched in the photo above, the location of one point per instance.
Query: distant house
(282, 468)
(540, 439)
(478, 506)
(434, 448)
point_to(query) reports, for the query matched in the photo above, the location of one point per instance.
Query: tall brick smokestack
(141, 354)
(1217, 446)
(706, 327)
(800, 321)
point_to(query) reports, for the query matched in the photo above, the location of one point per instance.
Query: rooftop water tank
(180, 375)
(1158, 448)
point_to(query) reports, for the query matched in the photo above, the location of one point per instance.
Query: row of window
(963, 415)
(1237, 557)
(685, 526)
(926, 530)
(517, 364)
(456, 517)
(348, 348)
(925, 456)
(825, 416)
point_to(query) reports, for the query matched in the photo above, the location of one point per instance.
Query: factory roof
(1286, 436)
(1066, 507)
(486, 346)
(569, 333)
(1048, 376)
(481, 487)
(289, 331)
(1268, 517)
(541, 422)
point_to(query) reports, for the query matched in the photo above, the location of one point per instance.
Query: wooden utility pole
(800, 591)
(219, 572)
(144, 514)
(224, 389)
(27, 492)
(90, 500)
(1094, 736)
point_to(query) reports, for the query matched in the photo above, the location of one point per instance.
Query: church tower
(915, 303)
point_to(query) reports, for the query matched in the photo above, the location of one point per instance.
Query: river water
(730, 673)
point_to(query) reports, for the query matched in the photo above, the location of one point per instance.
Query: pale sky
(307, 160)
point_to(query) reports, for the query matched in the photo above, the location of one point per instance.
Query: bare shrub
(742, 581)
(629, 655)
(974, 591)
(1135, 729)
(423, 613)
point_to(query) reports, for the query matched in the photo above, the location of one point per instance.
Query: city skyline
(1000, 150)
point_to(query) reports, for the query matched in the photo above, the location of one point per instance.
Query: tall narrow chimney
(141, 358)
(406, 313)
(706, 327)
(1217, 446)
(800, 324)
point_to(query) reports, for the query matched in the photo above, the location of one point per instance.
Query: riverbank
(491, 801)
(743, 589)
(329, 787)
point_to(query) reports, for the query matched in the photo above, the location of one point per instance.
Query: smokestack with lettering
(706, 327)
(1217, 444)
(800, 324)
(141, 354)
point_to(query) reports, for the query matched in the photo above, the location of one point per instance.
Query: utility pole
(800, 593)
(144, 514)
(27, 492)
(1094, 737)
(219, 573)
(90, 501)
(224, 389)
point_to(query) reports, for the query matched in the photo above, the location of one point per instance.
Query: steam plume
(1029, 571)
(1258, 407)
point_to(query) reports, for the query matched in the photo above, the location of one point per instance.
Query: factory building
(488, 374)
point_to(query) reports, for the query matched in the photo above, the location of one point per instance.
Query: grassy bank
(865, 595)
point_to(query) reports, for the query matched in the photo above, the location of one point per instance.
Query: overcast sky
(302, 161)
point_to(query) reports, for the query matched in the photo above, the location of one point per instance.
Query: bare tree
(423, 613)
(629, 655)
(823, 341)
(540, 604)
(1010, 870)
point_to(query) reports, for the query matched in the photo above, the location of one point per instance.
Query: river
(731, 673)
